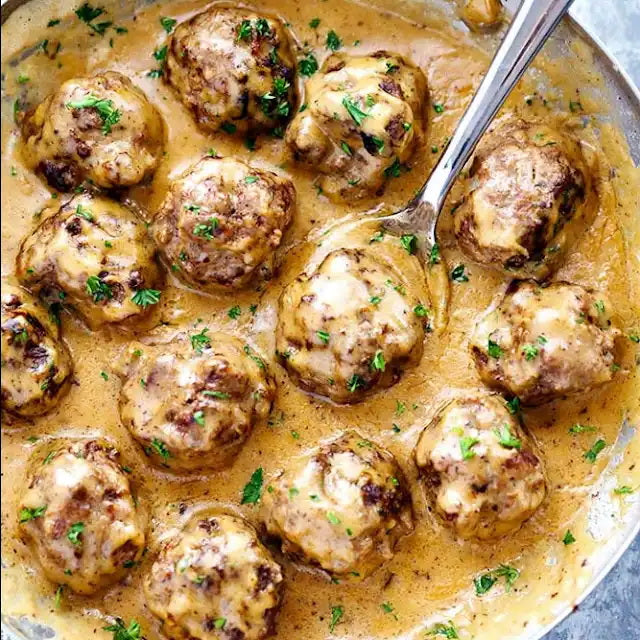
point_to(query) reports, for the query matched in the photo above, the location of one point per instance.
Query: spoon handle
(530, 28)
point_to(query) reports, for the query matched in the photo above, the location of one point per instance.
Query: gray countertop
(613, 609)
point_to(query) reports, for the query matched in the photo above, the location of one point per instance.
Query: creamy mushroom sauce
(430, 579)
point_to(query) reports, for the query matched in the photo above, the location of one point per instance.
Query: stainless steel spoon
(531, 26)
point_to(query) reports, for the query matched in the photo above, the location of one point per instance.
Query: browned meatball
(96, 256)
(221, 222)
(350, 327)
(480, 467)
(102, 129)
(541, 343)
(481, 15)
(36, 364)
(79, 513)
(364, 117)
(526, 183)
(215, 580)
(234, 69)
(341, 507)
(192, 403)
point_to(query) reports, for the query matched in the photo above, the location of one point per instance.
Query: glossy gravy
(430, 579)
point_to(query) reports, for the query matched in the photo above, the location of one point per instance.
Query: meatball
(526, 183)
(215, 579)
(481, 15)
(541, 343)
(101, 129)
(363, 119)
(348, 328)
(193, 406)
(36, 364)
(234, 69)
(342, 507)
(96, 256)
(481, 467)
(221, 222)
(81, 517)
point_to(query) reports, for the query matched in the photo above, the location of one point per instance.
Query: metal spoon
(531, 26)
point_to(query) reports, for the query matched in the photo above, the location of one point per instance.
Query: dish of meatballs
(230, 410)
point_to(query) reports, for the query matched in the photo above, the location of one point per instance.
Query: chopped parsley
(438, 108)
(409, 243)
(401, 407)
(484, 582)
(307, 66)
(354, 383)
(160, 448)
(229, 127)
(494, 349)
(597, 447)
(346, 148)
(323, 336)
(145, 297)
(104, 375)
(466, 447)
(434, 254)
(581, 428)
(599, 305)
(357, 114)
(506, 438)
(253, 488)
(105, 108)
(421, 311)
(88, 14)
(85, 213)
(569, 538)
(447, 631)
(315, 23)
(219, 623)
(623, 490)
(337, 612)
(53, 23)
(251, 179)
(206, 230)
(394, 169)
(168, 23)
(27, 513)
(220, 395)
(257, 359)
(200, 341)
(375, 300)
(530, 351)
(198, 417)
(333, 41)
(333, 518)
(378, 363)
(458, 274)
(74, 532)
(235, 312)
(98, 289)
(120, 632)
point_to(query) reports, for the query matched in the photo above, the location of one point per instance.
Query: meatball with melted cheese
(192, 404)
(541, 343)
(36, 364)
(349, 327)
(213, 580)
(221, 222)
(101, 129)
(480, 467)
(342, 507)
(526, 184)
(80, 515)
(364, 117)
(233, 68)
(96, 256)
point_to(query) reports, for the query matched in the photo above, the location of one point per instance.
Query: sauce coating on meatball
(221, 222)
(36, 364)
(233, 68)
(363, 119)
(80, 515)
(102, 129)
(192, 404)
(481, 468)
(342, 507)
(94, 255)
(214, 579)
(348, 328)
(542, 343)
